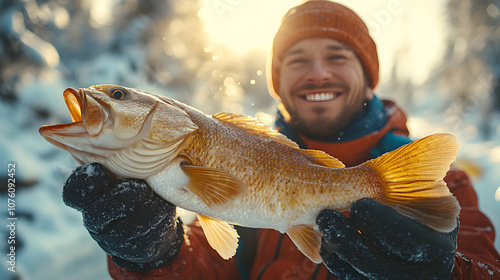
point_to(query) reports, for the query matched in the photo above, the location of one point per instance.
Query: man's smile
(320, 96)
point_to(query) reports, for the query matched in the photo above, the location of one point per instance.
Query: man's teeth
(323, 96)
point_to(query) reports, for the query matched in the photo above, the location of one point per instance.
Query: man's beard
(323, 128)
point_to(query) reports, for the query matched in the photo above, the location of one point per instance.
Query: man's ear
(368, 89)
(284, 112)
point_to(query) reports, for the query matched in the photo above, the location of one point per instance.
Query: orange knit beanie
(322, 18)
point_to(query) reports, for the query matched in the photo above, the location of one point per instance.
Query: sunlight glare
(399, 31)
(243, 25)
(495, 155)
(102, 11)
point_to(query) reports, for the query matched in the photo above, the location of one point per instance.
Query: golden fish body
(285, 185)
(231, 169)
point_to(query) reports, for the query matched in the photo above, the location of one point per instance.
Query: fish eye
(118, 93)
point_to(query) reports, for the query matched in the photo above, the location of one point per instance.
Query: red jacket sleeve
(476, 256)
(196, 260)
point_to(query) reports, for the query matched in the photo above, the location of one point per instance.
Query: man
(323, 69)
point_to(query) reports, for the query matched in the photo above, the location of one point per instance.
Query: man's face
(322, 86)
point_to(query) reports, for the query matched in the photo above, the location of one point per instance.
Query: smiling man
(323, 70)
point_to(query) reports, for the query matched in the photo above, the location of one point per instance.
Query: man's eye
(337, 57)
(297, 61)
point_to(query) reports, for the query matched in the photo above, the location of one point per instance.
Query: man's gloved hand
(377, 242)
(128, 220)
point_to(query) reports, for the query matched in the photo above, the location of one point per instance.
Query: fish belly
(251, 210)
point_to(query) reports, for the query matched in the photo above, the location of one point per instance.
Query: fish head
(131, 132)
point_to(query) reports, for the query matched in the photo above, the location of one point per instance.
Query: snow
(490, 272)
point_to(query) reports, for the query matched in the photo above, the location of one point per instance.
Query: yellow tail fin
(413, 180)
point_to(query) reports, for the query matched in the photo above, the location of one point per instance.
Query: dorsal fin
(253, 126)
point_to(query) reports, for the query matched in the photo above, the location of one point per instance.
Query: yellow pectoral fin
(213, 186)
(220, 235)
(307, 240)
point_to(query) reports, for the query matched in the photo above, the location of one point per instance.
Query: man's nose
(318, 73)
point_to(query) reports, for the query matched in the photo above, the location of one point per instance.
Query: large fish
(231, 169)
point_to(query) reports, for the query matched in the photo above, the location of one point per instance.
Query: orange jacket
(278, 258)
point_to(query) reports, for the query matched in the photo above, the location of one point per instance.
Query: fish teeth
(321, 96)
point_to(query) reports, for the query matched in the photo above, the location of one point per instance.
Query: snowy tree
(471, 72)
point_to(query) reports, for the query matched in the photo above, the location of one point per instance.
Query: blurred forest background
(161, 46)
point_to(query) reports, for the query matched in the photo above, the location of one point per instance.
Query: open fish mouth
(73, 99)
(83, 107)
(74, 136)
(74, 102)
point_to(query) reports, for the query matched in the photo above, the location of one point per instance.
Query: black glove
(379, 243)
(128, 220)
